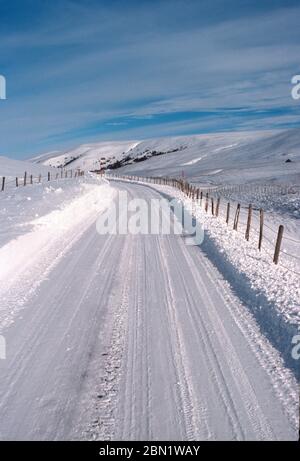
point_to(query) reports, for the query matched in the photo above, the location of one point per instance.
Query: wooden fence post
(228, 213)
(31, 179)
(48, 175)
(236, 218)
(3, 183)
(218, 206)
(212, 206)
(25, 178)
(247, 234)
(206, 202)
(278, 244)
(261, 227)
(17, 181)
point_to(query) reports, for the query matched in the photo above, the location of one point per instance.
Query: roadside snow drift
(43, 240)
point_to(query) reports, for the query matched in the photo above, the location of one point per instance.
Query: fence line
(203, 197)
(22, 181)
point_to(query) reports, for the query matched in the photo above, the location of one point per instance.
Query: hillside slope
(229, 158)
(11, 168)
(221, 158)
(87, 156)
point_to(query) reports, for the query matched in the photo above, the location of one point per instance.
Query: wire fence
(248, 221)
(8, 183)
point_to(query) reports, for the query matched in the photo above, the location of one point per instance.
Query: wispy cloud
(122, 69)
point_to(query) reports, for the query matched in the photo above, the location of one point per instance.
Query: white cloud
(92, 65)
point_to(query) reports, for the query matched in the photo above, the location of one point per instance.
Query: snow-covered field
(262, 168)
(218, 159)
(39, 224)
(91, 355)
(279, 283)
(11, 169)
(225, 158)
(141, 337)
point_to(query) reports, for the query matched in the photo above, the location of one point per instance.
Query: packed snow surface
(142, 337)
(127, 337)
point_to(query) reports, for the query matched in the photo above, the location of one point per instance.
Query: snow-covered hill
(87, 156)
(84, 314)
(221, 158)
(11, 168)
(240, 162)
(116, 154)
(227, 158)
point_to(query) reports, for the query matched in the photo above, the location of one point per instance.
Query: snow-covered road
(140, 338)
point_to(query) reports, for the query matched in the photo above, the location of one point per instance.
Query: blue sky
(81, 71)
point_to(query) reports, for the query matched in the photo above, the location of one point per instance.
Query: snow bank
(279, 283)
(26, 259)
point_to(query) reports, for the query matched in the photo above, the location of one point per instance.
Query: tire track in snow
(214, 370)
(266, 355)
(195, 416)
(26, 375)
(240, 406)
(138, 382)
(167, 369)
(258, 420)
(107, 407)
